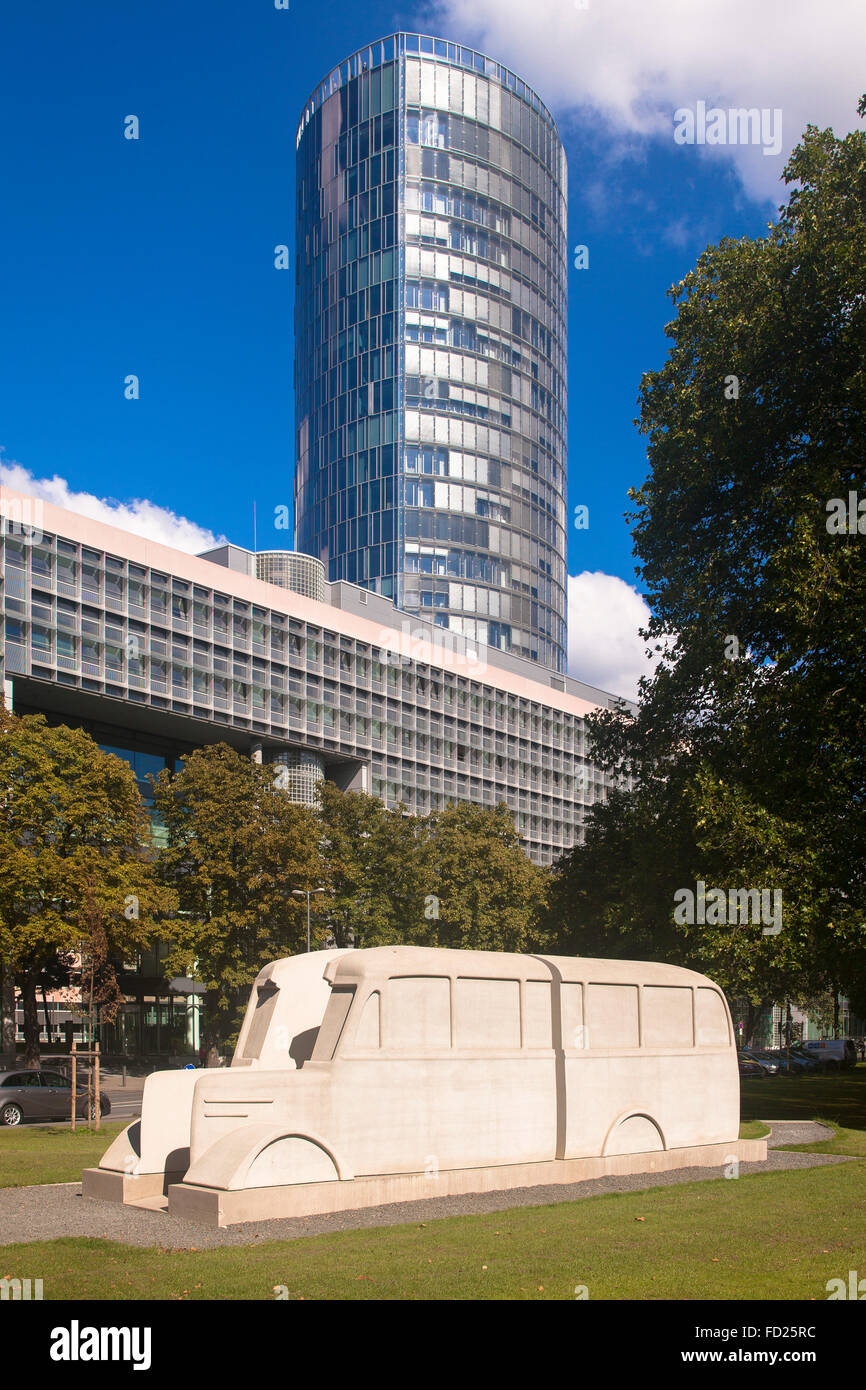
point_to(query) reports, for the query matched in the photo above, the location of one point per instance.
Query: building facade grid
(93, 621)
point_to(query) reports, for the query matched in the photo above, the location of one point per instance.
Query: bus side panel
(408, 1115)
(693, 1097)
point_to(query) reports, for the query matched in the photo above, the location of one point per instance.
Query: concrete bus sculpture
(373, 1076)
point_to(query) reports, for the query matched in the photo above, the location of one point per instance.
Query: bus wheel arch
(632, 1133)
(292, 1157)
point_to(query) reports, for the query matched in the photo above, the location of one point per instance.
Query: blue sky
(155, 256)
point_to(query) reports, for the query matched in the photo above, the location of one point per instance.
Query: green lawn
(839, 1097)
(34, 1155)
(777, 1236)
(844, 1141)
(753, 1129)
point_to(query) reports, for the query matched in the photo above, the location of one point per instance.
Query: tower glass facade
(430, 373)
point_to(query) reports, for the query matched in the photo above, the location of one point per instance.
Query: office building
(430, 337)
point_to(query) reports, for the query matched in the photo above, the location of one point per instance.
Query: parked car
(812, 1064)
(752, 1069)
(770, 1064)
(791, 1062)
(832, 1052)
(42, 1095)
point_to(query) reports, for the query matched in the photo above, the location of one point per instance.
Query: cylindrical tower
(291, 570)
(430, 341)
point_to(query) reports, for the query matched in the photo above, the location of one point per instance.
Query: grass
(753, 1129)
(773, 1236)
(839, 1097)
(32, 1155)
(845, 1141)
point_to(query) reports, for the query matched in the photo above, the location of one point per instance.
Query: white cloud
(604, 649)
(140, 516)
(635, 62)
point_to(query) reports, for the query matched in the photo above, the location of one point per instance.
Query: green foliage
(746, 755)
(457, 878)
(377, 869)
(488, 894)
(75, 852)
(237, 847)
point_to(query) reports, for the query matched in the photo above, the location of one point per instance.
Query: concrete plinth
(219, 1207)
(131, 1189)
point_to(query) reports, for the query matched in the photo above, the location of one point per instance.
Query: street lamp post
(306, 893)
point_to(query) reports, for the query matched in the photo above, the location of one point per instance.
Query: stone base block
(131, 1189)
(218, 1207)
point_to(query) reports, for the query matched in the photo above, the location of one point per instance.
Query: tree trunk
(835, 1011)
(47, 1018)
(7, 1014)
(210, 1029)
(31, 1020)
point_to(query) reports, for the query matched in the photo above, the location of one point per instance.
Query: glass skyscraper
(430, 342)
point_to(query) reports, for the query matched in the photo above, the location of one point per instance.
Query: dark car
(750, 1067)
(792, 1062)
(42, 1095)
(763, 1059)
(811, 1063)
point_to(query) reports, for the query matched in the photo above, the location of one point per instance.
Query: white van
(832, 1052)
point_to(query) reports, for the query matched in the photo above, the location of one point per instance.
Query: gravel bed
(796, 1132)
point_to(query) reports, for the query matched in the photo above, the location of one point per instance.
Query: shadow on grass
(840, 1097)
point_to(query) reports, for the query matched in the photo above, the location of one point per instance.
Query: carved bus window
(266, 1000)
(537, 1025)
(611, 1015)
(332, 1024)
(369, 1028)
(419, 1012)
(712, 1018)
(573, 1029)
(667, 1016)
(487, 1013)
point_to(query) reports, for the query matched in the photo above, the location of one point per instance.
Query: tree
(74, 839)
(745, 758)
(237, 847)
(455, 878)
(487, 894)
(376, 869)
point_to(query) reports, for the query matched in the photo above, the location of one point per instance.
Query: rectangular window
(667, 1016)
(711, 1018)
(537, 1029)
(90, 577)
(40, 563)
(418, 1012)
(611, 1015)
(487, 1013)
